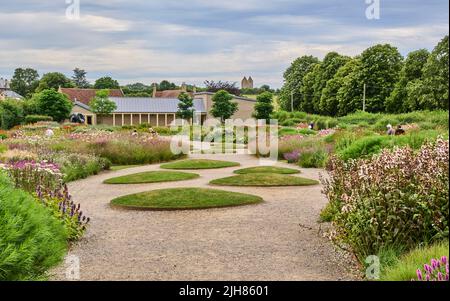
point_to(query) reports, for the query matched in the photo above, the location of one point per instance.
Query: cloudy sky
(195, 40)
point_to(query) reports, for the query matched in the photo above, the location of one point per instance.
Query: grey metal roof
(152, 105)
(11, 94)
(82, 105)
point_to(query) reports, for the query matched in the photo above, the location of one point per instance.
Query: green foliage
(434, 87)
(25, 81)
(106, 83)
(130, 152)
(31, 239)
(79, 166)
(369, 145)
(185, 106)
(293, 81)
(101, 104)
(166, 85)
(11, 113)
(397, 102)
(54, 80)
(398, 198)
(79, 78)
(313, 158)
(30, 119)
(335, 86)
(54, 104)
(264, 106)
(403, 268)
(223, 107)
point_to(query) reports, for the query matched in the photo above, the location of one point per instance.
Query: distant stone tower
(247, 83)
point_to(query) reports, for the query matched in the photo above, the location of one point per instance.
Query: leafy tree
(329, 101)
(25, 81)
(434, 90)
(411, 71)
(212, 86)
(101, 104)
(79, 78)
(349, 95)
(11, 113)
(264, 106)
(185, 106)
(54, 80)
(51, 103)
(106, 83)
(380, 69)
(328, 69)
(223, 107)
(307, 90)
(166, 85)
(293, 80)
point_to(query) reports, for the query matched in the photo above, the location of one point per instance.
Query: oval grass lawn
(183, 199)
(199, 164)
(152, 177)
(263, 179)
(267, 169)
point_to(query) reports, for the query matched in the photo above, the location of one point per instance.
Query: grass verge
(404, 268)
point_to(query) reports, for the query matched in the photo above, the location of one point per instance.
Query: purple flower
(419, 274)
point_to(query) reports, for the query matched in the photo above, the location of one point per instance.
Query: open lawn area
(184, 198)
(152, 177)
(263, 179)
(199, 164)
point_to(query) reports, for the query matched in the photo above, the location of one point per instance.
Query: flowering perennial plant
(399, 197)
(436, 271)
(45, 181)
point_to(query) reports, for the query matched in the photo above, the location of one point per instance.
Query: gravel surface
(278, 239)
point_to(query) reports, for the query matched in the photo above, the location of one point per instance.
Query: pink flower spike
(419, 274)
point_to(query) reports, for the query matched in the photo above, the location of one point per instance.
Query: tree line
(380, 77)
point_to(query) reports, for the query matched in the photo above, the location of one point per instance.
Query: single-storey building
(6, 92)
(156, 111)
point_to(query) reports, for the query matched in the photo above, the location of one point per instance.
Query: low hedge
(36, 118)
(31, 239)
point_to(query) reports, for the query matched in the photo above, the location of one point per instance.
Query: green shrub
(31, 239)
(398, 198)
(36, 118)
(364, 147)
(313, 159)
(11, 113)
(76, 168)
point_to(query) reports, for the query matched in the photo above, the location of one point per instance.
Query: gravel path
(276, 240)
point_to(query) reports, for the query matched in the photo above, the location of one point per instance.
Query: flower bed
(45, 181)
(399, 197)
